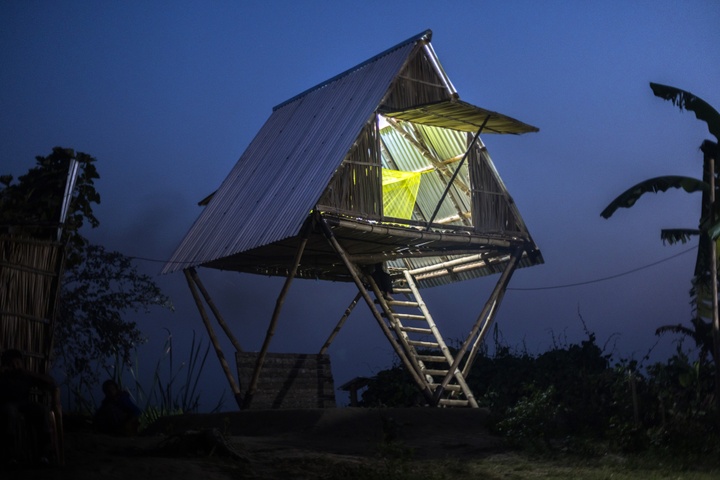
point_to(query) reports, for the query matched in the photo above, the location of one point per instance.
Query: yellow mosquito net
(400, 191)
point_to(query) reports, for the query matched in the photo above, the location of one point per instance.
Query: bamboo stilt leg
(499, 288)
(493, 303)
(252, 388)
(358, 282)
(213, 338)
(215, 311)
(340, 324)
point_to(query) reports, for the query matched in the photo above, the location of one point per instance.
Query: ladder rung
(430, 371)
(401, 290)
(453, 403)
(403, 303)
(426, 331)
(419, 343)
(410, 316)
(431, 358)
(451, 388)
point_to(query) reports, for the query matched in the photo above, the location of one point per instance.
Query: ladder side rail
(428, 318)
(397, 327)
(454, 371)
(353, 270)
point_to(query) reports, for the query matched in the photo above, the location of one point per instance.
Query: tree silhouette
(99, 288)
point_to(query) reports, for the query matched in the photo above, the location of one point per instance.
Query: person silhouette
(17, 405)
(383, 281)
(118, 414)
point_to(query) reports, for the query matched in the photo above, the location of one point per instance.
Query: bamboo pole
(380, 257)
(417, 365)
(455, 173)
(213, 338)
(53, 307)
(340, 324)
(252, 388)
(714, 281)
(440, 340)
(425, 236)
(422, 150)
(497, 293)
(492, 307)
(358, 282)
(216, 312)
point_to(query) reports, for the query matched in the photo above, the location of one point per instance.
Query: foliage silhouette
(578, 398)
(99, 287)
(703, 329)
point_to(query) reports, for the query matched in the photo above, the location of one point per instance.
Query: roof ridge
(426, 35)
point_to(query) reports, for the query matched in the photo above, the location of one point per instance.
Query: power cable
(598, 280)
(527, 289)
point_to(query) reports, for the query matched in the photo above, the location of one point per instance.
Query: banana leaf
(658, 184)
(671, 236)
(687, 101)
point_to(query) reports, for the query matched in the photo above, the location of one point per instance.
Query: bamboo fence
(29, 284)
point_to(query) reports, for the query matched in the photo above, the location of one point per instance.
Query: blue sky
(167, 95)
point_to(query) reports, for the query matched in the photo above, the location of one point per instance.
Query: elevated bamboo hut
(381, 164)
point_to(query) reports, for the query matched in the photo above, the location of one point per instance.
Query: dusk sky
(168, 94)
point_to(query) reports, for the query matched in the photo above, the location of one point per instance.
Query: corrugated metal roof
(252, 222)
(268, 194)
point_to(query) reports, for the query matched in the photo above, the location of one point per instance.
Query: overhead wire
(603, 279)
(526, 289)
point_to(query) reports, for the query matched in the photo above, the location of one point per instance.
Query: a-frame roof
(280, 177)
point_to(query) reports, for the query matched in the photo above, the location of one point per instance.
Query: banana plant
(704, 328)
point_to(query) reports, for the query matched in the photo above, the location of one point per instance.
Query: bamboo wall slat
(29, 271)
(357, 185)
(417, 84)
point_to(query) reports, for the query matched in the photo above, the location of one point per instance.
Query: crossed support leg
(482, 324)
(433, 393)
(356, 276)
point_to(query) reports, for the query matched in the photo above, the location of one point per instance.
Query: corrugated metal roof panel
(276, 182)
(458, 115)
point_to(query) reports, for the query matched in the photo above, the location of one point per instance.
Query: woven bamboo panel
(28, 294)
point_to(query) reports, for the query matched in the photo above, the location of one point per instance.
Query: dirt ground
(272, 444)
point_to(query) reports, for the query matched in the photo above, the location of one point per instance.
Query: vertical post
(714, 279)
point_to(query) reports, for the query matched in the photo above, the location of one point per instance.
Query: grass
(506, 466)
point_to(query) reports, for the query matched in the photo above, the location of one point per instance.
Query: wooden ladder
(424, 346)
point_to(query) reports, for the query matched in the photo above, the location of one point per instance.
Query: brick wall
(288, 380)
